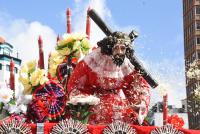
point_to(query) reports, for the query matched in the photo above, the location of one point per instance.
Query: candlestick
(41, 53)
(88, 24)
(165, 109)
(58, 38)
(68, 13)
(12, 76)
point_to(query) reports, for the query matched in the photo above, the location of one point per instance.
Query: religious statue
(108, 74)
(113, 74)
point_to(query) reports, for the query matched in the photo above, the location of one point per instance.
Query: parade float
(103, 90)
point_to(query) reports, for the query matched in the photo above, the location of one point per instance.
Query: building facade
(6, 54)
(191, 22)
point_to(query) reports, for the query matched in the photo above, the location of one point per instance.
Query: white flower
(24, 99)
(83, 99)
(23, 108)
(6, 94)
(17, 108)
(14, 109)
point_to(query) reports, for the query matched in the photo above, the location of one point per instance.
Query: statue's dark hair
(107, 43)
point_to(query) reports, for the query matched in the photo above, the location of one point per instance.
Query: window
(198, 25)
(183, 106)
(198, 54)
(197, 9)
(0, 66)
(8, 67)
(16, 70)
(198, 40)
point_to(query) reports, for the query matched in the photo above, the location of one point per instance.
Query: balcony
(197, 32)
(197, 17)
(197, 2)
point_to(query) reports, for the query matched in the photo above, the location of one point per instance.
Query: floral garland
(72, 45)
(6, 99)
(10, 105)
(32, 77)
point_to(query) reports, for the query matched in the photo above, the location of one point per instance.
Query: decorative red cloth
(99, 129)
(120, 88)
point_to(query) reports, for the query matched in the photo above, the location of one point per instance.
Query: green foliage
(80, 112)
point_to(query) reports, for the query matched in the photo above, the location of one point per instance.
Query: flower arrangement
(11, 105)
(176, 121)
(6, 99)
(72, 45)
(31, 77)
(54, 60)
(79, 107)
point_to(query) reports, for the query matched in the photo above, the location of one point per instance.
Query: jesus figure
(108, 74)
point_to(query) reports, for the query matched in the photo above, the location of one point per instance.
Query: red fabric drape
(99, 129)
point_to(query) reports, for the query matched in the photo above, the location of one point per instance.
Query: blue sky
(159, 23)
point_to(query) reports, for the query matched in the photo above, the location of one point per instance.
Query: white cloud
(23, 36)
(79, 19)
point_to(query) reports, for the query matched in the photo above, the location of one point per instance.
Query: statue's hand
(139, 105)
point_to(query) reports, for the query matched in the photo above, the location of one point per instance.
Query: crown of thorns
(108, 42)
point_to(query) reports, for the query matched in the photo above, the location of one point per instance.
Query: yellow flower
(24, 69)
(27, 89)
(31, 65)
(36, 76)
(76, 45)
(85, 43)
(52, 72)
(23, 78)
(77, 54)
(54, 54)
(64, 51)
(43, 80)
(85, 51)
(66, 39)
(57, 60)
(79, 36)
(71, 37)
